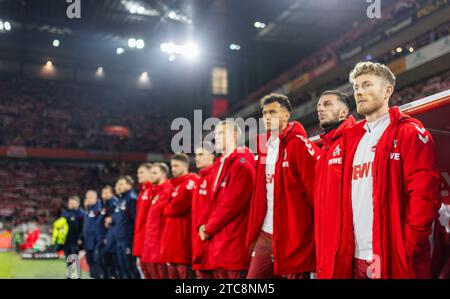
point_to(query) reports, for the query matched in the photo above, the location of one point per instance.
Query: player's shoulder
(413, 130)
(243, 159)
(411, 126)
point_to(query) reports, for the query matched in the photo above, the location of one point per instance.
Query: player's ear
(389, 91)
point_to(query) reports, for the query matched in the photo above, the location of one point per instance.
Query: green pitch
(12, 266)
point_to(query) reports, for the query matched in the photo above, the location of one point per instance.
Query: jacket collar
(145, 186)
(179, 180)
(338, 132)
(205, 171)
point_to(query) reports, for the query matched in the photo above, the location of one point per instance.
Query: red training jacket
(293, 223)
(227, 218)
(200, 206)
(142, 205)
(405, 199)
(327, 197)
(151, 252)
(176, 236)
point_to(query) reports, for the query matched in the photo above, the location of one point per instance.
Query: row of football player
(361, 206)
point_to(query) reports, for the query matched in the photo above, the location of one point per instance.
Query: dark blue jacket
(124, 216)
(75, 220)
(110, 238)
(90, 225)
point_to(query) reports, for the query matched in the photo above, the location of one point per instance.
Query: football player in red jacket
(281, 226)
(142, 206)
(333, 112)
(152, 264)
(204, 161)
(176, 237)
(224, 227)
(390, 186)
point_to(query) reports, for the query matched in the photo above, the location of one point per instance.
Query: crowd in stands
(48, 114)
(419, 42)
(36, 188)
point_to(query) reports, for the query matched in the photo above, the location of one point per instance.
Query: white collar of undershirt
(378, 124)
(273, 141)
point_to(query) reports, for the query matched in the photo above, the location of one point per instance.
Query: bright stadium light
(49, 63)
(120, 51)
(259, 25)
(140, 44)
(99, 72)
(7, 26)
(132, 43)
(56, 43)
(144, 80)
(235, 47)
(140, 10)
(411, 49)
(172, 15)
(133, 9)
(399, 50)
(191, 50)
(167, 47)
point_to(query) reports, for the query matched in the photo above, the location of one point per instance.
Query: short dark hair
(207, 146)
(162, 166)
(109, 187)
(74, 197)
(182, 157)
(278, 98)
(147, 166)
(127, 179)
(340, 96)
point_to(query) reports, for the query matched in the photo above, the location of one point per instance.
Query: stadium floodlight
(172, 15)
(411, 49)
(99, 72)
(120, 51)
(235, 47)
(190, 50)
(140, 44)
(259, 25)
(7, 26)
(399, 50)
(140, 10)
(169, 48)
(133, 9)
(132, 43)
(144, 80)
(49, 63)
(56, 43)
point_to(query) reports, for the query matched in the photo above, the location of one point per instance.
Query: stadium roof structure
(293, 29)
